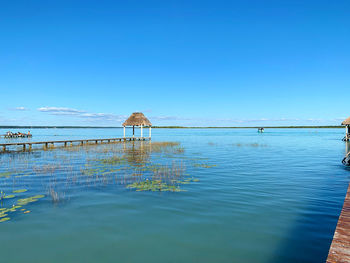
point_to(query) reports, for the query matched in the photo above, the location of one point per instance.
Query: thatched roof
(137, 119)
(346, 122)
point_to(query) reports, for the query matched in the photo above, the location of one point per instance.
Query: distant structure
(137, 119)
(347, 129)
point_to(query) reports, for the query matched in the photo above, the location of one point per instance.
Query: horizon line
(162, 127)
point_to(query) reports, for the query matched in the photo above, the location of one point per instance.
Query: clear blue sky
(215, 63)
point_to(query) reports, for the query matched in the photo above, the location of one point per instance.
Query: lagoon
(227, 195)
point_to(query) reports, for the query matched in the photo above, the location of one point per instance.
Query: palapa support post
(347, 129)
(141, 131)
(124, 131)
(133, 131)
(150, 132)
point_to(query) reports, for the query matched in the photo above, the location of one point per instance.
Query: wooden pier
(340, 248)
(27, 146)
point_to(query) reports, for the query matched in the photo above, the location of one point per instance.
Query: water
(271, 197)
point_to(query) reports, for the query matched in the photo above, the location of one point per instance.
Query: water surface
(245, 197)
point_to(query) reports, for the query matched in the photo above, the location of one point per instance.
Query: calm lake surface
(219, 195)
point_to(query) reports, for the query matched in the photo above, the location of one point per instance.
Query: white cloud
(60, 111)
(169, 120)
(20, 109)
(103, 116)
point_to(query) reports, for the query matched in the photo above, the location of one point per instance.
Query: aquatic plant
(139, 166)
(112, 160)
(8, 196)
(20, 191)
(4, 219)
(203, 165)
(5, 174)
(54, 195)
(156, 185)
(25, 201)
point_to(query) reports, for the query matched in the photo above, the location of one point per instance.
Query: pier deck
(28, 145)
(340, 247)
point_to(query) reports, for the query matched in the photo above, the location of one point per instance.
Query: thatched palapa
(137, 119)
(346, 122)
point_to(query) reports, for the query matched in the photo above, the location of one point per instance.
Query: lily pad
(20, 191)
(4, 219)
(5, 174)
(38, 196)
(8, 196)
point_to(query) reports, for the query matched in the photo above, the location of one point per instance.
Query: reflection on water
(347, 147)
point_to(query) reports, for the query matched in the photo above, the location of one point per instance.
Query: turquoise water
(242, 197)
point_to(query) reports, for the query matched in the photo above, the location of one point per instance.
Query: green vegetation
(5, 174)
(156, 185)
(18, 206)
(20, 191)
(203, 165)
(137, 166)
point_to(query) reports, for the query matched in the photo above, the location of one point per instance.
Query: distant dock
(27, 146)
(340, 248)
(16, 136)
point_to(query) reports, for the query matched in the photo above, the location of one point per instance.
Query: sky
(190, 63)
